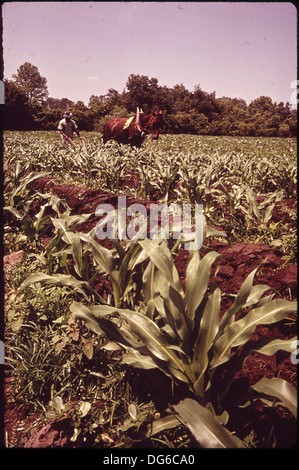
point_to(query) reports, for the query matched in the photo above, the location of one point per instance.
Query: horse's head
(154, 123)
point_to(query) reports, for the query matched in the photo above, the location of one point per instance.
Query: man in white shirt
(67, 127)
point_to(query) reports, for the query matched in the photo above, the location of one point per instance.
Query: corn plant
(67, 244)
(16, 184)
(111, 164)
(181, 333)
(234, 198)
(261, 212)
(283, 176)
(196, 183)
(166, 175)
(19, 205)
(19, 198)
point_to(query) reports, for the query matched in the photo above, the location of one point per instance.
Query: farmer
(67, 127)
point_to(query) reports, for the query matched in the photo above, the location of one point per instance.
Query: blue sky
(241, 50)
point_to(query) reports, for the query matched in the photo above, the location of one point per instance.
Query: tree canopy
(31, 83)
(28, 106)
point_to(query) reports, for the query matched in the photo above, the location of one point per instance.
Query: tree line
(29, 107)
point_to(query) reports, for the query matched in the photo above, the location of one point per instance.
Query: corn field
(138, 342)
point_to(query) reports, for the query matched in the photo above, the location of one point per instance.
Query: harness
(127, 123)
(126, 126)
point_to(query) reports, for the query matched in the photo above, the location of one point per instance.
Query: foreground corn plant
(182, 335)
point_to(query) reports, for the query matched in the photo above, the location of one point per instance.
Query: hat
(67, 114)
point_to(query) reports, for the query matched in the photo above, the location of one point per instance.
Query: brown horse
(133, 130)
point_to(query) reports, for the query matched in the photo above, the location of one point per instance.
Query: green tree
(263, 104)
(205, 103)
(233, 117)
(82, 116)
(180, 98)
(29, 107)
(142, 92)
(17, 113)
(51, 118)
(29, 81)
(55, 103)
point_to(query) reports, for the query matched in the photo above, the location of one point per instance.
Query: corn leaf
(84, 313)
(204, 426)
(175, 312)
(148, 281)
(135, 359)
(60, 224)
(268, 213)
(255, 294)
(149, 333)
(168, 422)
(245, 294)
(121, 334)
(280, 389)
(65, 279)
(127, 265)
(77, 254)
(273, 345)
(240, 331)
(102, 255)
(13, 211)
(209, 231)
(252, 203)
(197, 279)
(207, 332)
(164, 263)
(27, 180)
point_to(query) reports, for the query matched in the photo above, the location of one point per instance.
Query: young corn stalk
(181, 333)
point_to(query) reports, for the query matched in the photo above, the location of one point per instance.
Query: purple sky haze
(241, 50)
